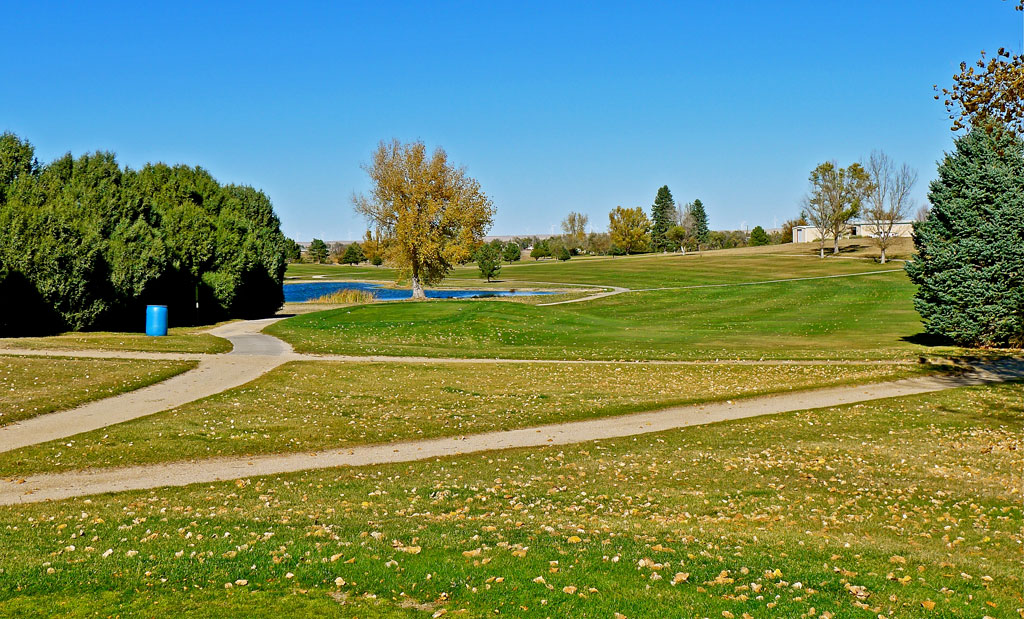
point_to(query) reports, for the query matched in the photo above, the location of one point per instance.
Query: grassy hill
(730, 304)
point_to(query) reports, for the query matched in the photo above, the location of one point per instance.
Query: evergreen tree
(662, 218)
(318, 251)
(292, 251)
(17, 159)
(759, 237)
(969, 266)
(511, 253)
(700, 223)
(353, 254)
(488, 260)
(563, 253)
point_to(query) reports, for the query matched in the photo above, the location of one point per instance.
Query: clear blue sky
(552, 106)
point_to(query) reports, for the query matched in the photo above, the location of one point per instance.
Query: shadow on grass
(853, 248)
(928, 340)
(965, 356)
(26, 313)
(989, 412)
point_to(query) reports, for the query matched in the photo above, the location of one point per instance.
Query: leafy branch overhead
(988, 93)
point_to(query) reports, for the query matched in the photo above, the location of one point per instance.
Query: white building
(807, 234)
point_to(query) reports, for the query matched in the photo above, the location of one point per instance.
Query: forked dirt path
(254, 354)
(66, 485)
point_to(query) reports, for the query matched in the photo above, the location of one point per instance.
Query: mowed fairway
(857, 315)
(900, 508)
(668, 270)
(339, 271)
(638, 271)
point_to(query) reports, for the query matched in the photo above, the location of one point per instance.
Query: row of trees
(87, 243)
(631, 231)
(343, 253)
(878, 191)
(427, 216)
(670, 227)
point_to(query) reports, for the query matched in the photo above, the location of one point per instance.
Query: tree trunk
(883, 255)
(835, 244)
(417, 287)
(821, 250)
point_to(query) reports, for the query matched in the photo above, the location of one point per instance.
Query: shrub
(759, 237)
(353, 254)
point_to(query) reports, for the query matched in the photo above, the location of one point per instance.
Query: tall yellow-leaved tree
(430, 214)
(630, 229)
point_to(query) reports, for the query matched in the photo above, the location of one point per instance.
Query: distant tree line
(320, 252)
(670, 227)
(86, 243)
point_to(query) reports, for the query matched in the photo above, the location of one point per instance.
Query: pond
(297, 293)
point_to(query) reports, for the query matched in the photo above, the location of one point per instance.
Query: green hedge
(86, 244)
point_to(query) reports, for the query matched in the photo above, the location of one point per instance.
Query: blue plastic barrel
(156, 320)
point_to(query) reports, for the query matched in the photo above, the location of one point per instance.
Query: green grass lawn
(311, 406)
(901, 508)
(660, 270)
(31, 386)
(639, 271)
(866, 317)
(178, 339)
(339, 271)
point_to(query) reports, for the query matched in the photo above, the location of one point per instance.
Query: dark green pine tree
(353, 254)
(969, 266)
(318, 251)
(662, 215)
(759, 237)
(700, 222)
